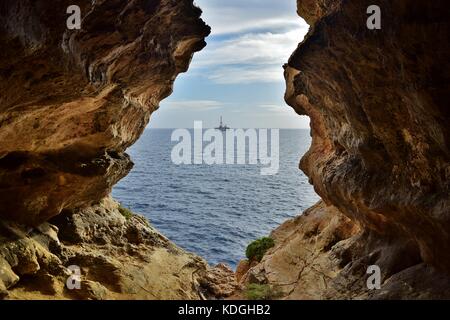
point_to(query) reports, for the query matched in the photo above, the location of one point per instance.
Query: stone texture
(220, 281)
(322, 254)
(73, 100)
(378, 104)
(113, 265)
(243, 267)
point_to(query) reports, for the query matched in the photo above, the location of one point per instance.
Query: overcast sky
(239, 74)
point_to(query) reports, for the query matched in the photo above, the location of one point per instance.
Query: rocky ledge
(118, 255)
(380, 155)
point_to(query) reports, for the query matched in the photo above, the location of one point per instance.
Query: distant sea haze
(215, 211)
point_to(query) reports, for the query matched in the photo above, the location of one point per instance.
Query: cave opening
(215, 211)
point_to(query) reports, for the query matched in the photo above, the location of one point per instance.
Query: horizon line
(174, 128)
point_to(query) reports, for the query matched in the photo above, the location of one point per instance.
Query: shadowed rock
(378, 103)
(73, 100)
(380, 154)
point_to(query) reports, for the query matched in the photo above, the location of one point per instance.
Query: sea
(215, 211)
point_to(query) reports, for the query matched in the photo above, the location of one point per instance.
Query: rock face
(323, 254)
(73, 100)
(380, 155)
(378, 105)
(119, 257)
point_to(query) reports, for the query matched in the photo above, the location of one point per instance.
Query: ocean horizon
(214, 211)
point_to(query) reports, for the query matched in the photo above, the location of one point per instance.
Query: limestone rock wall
(379, 159)
(378, 103)
(72, 101)
(119, 257)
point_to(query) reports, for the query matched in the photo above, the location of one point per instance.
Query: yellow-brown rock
(119, 258)
(72, 101)
(380, 155)
(378, 103)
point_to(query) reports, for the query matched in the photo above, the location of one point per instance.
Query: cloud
(239, 74)
(247, 74)
(232, 23)
(193, 105)
(250, 40)
(237, 16)
(252, 48)
(247, 58)
(271, 107)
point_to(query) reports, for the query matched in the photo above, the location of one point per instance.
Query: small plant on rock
(125, 212)
(258, 248)
(261, 292)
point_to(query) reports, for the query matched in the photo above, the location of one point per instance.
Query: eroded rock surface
(378, 102)
(120, 257)
(380, 156)
(72, 101)
(323, 254)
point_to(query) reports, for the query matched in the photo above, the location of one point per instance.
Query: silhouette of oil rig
(222, 127)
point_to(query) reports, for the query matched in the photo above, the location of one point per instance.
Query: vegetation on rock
(261, 292)
(258, 248)
(125, 212)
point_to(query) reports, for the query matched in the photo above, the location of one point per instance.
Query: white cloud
(247, 74)
(250, 40)
(252, 48)
(249, 43)
(271, 107)
(237, 16)
(234, 23)
(275, 109)
(193, 105)
(248, 58)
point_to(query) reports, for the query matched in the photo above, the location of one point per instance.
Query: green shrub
(261, 292)
(258, 248)
(125, 212)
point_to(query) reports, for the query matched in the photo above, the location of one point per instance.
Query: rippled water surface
(214, 211)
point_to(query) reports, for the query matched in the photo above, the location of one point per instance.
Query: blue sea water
(214, 211)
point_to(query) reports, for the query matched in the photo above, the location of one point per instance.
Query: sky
(239, 74)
